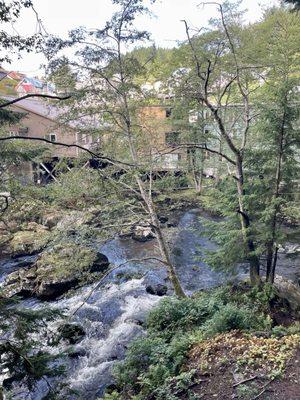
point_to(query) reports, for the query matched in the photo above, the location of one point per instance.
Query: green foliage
(154, 365)
(233, 316)
(75, 189)
(23, 333)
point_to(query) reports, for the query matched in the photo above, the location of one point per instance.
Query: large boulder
(289, 291)
(54, 287)
(56, 271)
(65, 266)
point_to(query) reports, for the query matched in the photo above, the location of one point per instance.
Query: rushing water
(113, 315)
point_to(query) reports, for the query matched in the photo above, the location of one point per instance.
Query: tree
(220, 77)
(277, 130)
(244, 97)
(13, 44)
(112, 95)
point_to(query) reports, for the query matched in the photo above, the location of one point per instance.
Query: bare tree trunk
(163, 247)
(147, 198)
(197, 174)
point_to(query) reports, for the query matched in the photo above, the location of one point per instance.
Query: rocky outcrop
(56, 271)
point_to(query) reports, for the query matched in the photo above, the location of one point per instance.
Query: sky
(60, 16)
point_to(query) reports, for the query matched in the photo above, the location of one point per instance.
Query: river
(115, 312)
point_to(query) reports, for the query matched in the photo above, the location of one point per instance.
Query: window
(23, 131)
(168, 112)
(170, 161)
(51, 137)
(172, 138)
(83, 137)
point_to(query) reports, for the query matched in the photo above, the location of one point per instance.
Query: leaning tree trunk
(163, 247)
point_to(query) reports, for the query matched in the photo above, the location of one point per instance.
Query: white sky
(60, 16)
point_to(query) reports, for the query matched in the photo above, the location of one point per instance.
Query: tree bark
(245, 225)
(271, 252)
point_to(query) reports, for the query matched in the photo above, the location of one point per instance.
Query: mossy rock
(28, 242)
(65, 266)
(65, 260)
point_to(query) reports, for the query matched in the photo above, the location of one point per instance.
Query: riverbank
(113, 312)
(225, 343)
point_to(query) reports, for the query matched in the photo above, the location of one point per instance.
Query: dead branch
(245, 380)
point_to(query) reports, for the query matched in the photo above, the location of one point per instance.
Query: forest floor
(224, 380)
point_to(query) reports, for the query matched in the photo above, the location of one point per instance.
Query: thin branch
(94, 155)
(200, 146)
(45, 96)
(245, 380)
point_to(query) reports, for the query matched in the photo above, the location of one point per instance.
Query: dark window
(51, 137)
(23, 131)
(168, 112)
(172, 138)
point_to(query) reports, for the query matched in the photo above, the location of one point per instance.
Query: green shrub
(234, 317)
(153, 367)
(174, 315)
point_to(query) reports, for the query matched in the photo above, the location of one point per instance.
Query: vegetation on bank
(229, 332)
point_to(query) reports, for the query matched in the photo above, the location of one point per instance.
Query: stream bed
(114, 313)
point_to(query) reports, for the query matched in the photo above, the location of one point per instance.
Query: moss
(66, 260)
(28, 242)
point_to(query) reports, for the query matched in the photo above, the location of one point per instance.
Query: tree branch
(45, 96)
(203, 147)
(94, 155)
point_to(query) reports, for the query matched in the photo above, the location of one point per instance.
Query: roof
(39, 107)
(50, 111)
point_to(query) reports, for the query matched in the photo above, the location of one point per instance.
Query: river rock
(56, 271)
(142, 232)
(73, 333)
(288, 291)
(101, 263)
(20, 283)
(158, 289)
(51, 289)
